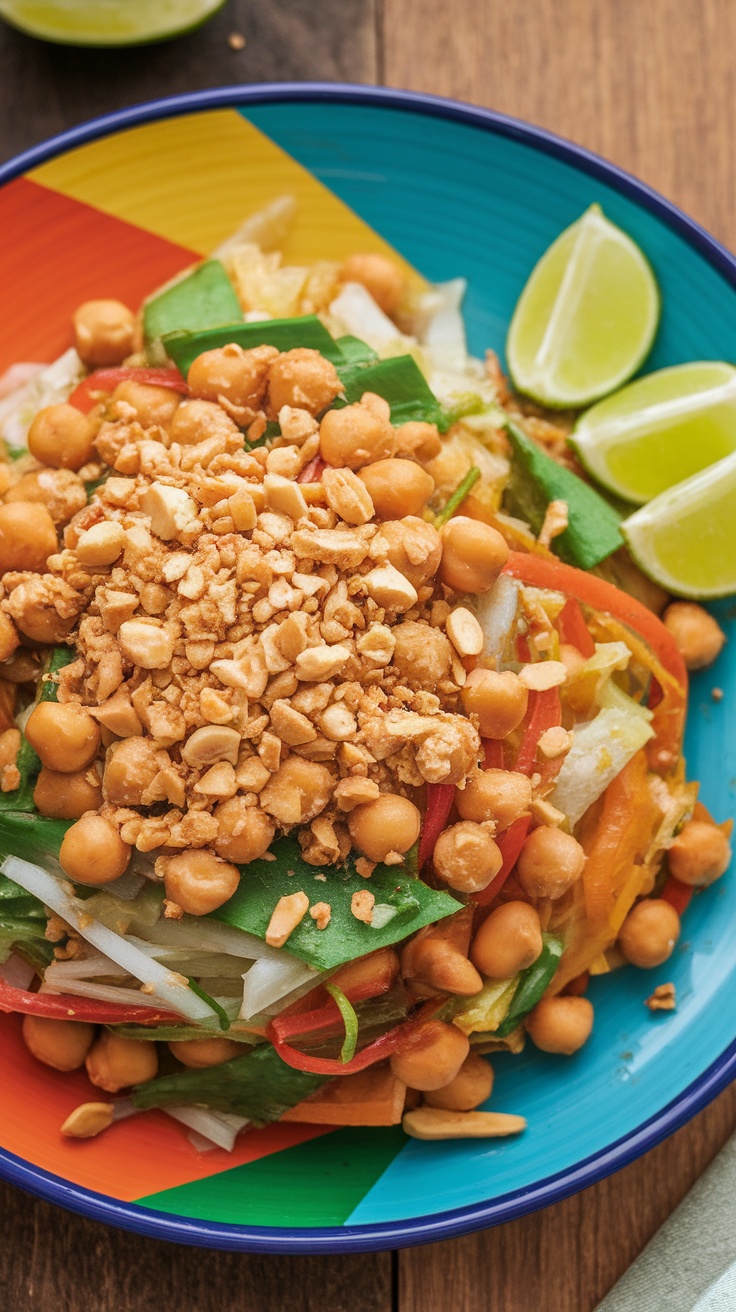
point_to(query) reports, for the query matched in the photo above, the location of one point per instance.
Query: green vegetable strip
(259, 1086)
(399, 381)
(533, 984)
(27, 760)
(219, 1011)
(36, 838)
(284, 334)
(458, 496)
(203, 299)
(355, 352)
(350, 1020)
(592, 531)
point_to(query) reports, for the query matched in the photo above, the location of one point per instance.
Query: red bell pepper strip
(541, 572)
(382, 1047)
(312, 472)
(573, 630)
(61, 1006)
(440, 798)
(677, 894)
(291, 1022)
(510, 844)
(546, 712)
(106, 380)
(494, 756)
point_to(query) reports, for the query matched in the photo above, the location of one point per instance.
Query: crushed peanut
(321, 913)
(664, 998)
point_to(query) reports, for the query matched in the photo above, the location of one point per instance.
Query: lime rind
(659, 430)
(685, 539)
(101, 23)
(587, 317)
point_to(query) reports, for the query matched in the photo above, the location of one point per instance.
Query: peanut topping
(287, 914)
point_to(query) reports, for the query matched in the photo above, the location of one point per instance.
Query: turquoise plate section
(463, 192)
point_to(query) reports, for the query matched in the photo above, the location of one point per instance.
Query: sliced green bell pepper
(532, 986)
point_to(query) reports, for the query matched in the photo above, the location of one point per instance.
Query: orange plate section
(55, 253)
(141, 1156)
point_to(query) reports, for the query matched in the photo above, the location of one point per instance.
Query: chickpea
(152, 405)
(498, 698)
(65, 736)
(92, 851)
(114, 1063)
(356, 436)
(130, 768)
(391, 823)
(9, 747)
(499, 795)
(466, 857)
(418, 440)
(244, 832)
(441, 965)
(61, 491)
(298, 791)
(649, 933)
(302, 378)
(61, 1044)
(509, 940)
(229, 371)
(44, 609)
(561, 1024)
(104, 332)
(422, 655)
(198, 881)
(198, 1054)
(195, 421)
(414, 548)
(381, 276)
(9, 639)
(471, 1086)
(27, 536)
(700, 854)
(473, 555)
(432, 1057)
(67, 796)
(61, 436)
(549, 863)
(698, 636)
(397, 487)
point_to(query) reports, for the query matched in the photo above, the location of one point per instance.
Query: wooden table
(652, 87)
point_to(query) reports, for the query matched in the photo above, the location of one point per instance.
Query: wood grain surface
(651, 86)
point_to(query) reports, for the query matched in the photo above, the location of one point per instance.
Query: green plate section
(314, 1184)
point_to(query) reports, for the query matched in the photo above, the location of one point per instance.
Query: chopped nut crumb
(289, 912)
(362, 904)
(321, 913)
(664, 998)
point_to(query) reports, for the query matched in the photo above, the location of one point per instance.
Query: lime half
(660, 429)
(107, 22)
(586, 318)
(685, 539)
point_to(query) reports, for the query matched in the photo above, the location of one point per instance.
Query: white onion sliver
(49, 890)
(17, 972)
(213, 936)
(83, 988)
(444, 337)
(219, 1128)
(82, 968)
(496, 611)
(268, 981)
(359, 315)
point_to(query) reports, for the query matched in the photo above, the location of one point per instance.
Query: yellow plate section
(179, 178)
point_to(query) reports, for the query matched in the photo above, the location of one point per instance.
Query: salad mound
(341, 739)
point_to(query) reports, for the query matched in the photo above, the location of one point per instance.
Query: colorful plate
(112, 209)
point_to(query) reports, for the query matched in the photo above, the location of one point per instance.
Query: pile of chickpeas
(373, 470)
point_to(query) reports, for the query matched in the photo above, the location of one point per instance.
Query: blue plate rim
(716, 1077)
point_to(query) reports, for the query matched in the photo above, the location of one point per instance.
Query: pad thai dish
(341, 736)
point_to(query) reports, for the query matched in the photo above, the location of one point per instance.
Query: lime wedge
(660, 429)
(586, 318)
(107, 22)
(685, 539)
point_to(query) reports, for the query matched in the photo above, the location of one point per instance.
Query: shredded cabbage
(600, 749)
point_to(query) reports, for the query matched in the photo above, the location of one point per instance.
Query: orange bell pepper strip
(372, 1097)
(650, 642)
(625, 830)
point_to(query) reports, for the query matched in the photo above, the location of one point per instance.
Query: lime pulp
(107, 22)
